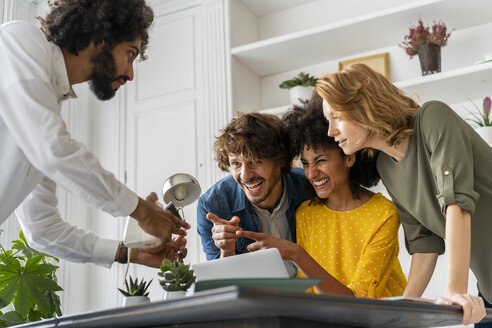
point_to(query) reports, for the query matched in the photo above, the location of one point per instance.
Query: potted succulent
(426, 42)
(482, 120)
(300, 87)
(178, 277)
(136, 292)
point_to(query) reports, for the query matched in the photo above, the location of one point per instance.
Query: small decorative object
(300, 87)
(379, 63)
(28, 284)
(482, 120)
(178, 277)
(136, 292)
(426, 42)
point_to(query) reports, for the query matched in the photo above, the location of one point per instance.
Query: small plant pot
(135, 300)
(174, 295)
(300, 92)
(486, 133)
(430, 58)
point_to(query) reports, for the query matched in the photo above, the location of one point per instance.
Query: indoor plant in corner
(136, 292)
(300, 87)
(426, 42)
(178, 277)
(482, 120)
(28, 284)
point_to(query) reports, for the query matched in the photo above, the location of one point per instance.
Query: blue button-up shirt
(226, 199)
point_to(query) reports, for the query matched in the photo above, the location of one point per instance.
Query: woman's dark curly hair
(73, 24)
(305, 125)
(255, 136)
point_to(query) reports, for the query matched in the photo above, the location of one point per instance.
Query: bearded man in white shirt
(81, 40)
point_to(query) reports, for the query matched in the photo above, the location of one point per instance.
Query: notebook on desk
(260, 264)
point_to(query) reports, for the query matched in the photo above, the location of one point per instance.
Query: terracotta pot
(430, 58)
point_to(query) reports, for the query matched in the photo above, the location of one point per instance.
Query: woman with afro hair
(345, 233)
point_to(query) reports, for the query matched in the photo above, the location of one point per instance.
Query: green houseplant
(426, 42)
(135, 292)
(178, 277)
(300, 87)
(28, 283)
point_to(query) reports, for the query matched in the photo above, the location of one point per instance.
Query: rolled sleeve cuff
(104, 252)
(429, 244)
(450, 196)
(124, 204)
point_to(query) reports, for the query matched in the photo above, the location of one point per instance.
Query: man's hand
(152, 254)
(156, 221)
(288, 250)
(224, 234)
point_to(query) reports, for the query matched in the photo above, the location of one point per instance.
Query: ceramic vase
(430, 58)
(135, 300)
(486, 133)
(300, 92)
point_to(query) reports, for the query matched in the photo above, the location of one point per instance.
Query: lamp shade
(181, 189)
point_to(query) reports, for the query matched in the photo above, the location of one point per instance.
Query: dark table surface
(221, 306)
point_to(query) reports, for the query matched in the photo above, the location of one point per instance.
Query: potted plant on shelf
(426, 42)
(28, 284)
(300, 87)
(136, 292)
(482, 120)
(178, 277)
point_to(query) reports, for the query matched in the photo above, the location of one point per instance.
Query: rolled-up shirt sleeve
(47, 232)
(418, 239)
(451, 157)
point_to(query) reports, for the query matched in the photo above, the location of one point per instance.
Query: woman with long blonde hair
(435, 167)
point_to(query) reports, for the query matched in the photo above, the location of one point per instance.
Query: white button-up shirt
(37, 152)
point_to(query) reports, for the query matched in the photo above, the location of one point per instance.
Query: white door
(163, 109)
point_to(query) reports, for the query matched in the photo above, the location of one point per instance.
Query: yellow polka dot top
(358, 247)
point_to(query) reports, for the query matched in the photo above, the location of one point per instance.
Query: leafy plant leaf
(28, 281)
(12, 318)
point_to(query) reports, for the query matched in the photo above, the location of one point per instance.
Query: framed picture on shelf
(379, 63)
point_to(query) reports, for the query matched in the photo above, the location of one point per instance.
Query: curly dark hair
(305, 125)
(73, 24)
(254, 136)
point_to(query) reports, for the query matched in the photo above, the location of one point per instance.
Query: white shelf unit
(262, 54)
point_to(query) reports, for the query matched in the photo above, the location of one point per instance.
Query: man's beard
(103, 74)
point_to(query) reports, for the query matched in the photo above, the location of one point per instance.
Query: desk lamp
(179, 190)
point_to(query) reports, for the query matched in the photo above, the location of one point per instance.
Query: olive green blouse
(446, 162)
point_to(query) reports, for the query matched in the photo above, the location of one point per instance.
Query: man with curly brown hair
(83, 40)
(262, 192)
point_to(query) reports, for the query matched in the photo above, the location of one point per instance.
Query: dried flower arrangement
(420, 34)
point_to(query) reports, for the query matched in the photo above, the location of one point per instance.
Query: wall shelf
(356, 35)
(451, 87)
